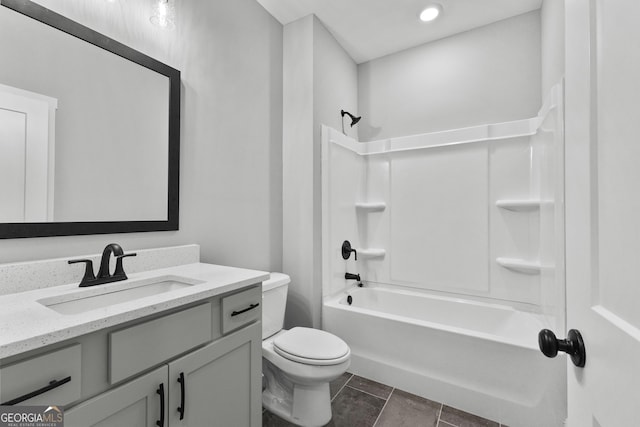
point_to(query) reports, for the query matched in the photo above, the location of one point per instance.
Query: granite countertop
(26, 324)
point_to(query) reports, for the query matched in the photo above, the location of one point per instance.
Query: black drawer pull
(181, 408)
(251, 307)
(53, 384)
(160, 391)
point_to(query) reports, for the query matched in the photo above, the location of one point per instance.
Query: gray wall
(111, 133)
(298, 163)
(486, 75)
(320, 79)
(230, 55)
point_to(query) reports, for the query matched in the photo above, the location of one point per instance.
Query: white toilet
(297, 364)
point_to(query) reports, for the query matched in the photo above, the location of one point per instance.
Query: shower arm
(354, 119)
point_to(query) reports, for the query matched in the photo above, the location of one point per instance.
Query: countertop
(26, 324)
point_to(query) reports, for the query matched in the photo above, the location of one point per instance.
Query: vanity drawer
(241, 309)
(52, 379)
(148, 344)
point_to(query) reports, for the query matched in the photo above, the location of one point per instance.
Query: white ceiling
(369, 29)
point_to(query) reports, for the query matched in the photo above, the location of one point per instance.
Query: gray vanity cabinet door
(222, 382)
(134, 404)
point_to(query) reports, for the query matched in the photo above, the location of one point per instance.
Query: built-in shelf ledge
(521, 205)
(371, 253)
(520, 265)
(371, 207)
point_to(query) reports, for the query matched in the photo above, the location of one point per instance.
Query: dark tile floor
(359, 402)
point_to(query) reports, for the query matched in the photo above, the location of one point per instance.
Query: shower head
(354, 119)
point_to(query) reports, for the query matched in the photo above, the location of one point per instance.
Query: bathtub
(479, 357)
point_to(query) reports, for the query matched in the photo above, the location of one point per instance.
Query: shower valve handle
(347, 249)
(573, 345)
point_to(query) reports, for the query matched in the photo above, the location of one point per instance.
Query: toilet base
(303, 405)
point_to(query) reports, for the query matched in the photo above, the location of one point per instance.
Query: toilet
(297, 364)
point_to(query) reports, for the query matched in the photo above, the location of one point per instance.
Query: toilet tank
(274, 301)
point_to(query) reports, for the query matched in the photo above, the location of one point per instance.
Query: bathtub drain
(349, 299)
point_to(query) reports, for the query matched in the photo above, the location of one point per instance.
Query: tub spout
(349, 276)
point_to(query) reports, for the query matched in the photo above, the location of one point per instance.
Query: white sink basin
(115, 293)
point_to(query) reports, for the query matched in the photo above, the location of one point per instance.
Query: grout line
(383, 406)
(343, 386)
(445, 424)
(440, 414)
(370, 394)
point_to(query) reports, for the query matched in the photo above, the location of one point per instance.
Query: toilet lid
(311, 346)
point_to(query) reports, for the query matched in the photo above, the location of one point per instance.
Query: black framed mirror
(107, 120)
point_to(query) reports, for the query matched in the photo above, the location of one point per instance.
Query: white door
(27, 153)
(12, 165)
(603, 209)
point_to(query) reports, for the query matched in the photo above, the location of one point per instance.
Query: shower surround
(456, 219)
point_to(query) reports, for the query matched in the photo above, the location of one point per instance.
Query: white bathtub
(478, 357)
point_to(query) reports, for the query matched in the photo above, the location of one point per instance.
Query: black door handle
(573, 346)
(160, 391)
(181, 408)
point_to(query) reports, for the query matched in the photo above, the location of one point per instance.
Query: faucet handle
(88, 271)
(347, 249)
(119, 272)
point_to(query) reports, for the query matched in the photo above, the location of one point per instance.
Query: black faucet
(104, 275)
(350, 276)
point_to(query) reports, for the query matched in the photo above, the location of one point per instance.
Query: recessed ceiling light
(163, 14)
(430, 13)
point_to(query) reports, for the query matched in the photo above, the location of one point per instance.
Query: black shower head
(354, 119)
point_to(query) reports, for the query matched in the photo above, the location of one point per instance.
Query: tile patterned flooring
(359, 402)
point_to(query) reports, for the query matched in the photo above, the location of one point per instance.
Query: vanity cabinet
(51, 377)
(217, 385)
(135, 404)
(220, 383)
(199, 365)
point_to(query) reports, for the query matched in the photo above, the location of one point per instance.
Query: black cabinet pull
(181, 408)
(251, 307)
(53, 384)
(160, 391)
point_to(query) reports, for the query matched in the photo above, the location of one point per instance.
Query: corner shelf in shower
(371, 206)
(371, 253)
(522, 205)
(520, 265)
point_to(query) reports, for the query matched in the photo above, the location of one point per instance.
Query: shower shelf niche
(371, 206)
(371, 253)
(522, 205)
(520, 265)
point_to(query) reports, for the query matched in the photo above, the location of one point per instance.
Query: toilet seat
(311, 347)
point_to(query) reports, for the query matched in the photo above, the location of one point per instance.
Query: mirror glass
(89, 131)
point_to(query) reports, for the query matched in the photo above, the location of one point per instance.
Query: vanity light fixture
(163, 14)
(430, 13)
